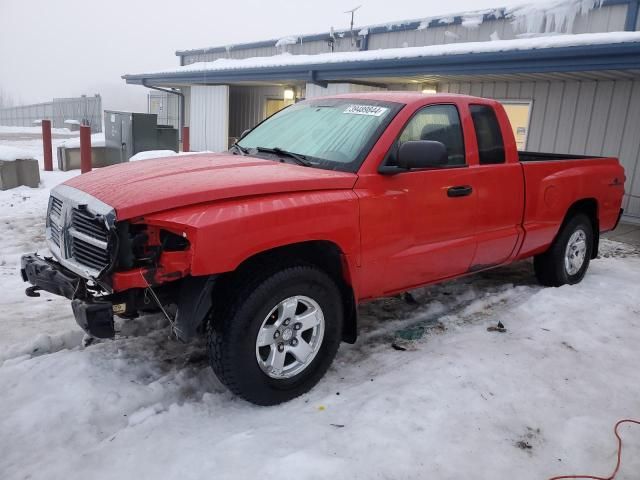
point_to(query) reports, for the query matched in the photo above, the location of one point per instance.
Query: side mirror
(244, 134)
(422, 154)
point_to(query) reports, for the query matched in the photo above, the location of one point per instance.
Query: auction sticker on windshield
(372, 110)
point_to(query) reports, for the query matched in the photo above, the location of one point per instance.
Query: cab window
(490, 143)
(440, 123)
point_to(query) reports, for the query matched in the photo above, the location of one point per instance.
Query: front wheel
(278, 334)
(568, 258)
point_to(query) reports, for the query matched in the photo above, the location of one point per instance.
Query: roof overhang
(581, 58)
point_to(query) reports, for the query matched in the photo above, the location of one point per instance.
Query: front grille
(92, 251)
(56, 206)
(55, 233)
(85, 222)
(79, 231)
(88, 254)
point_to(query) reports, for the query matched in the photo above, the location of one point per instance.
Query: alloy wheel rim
(575, 252)
(290, 337)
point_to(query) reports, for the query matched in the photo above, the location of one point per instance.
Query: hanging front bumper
(95, 317)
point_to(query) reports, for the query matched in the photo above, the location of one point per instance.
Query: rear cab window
(488, 135)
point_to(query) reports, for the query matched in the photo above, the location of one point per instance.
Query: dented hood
(148, 186)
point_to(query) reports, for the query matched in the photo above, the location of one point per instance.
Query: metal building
(61, 111)
(569, 75)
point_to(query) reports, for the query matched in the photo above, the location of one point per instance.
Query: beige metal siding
(581, 117)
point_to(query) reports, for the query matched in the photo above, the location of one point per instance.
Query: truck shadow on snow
(428, 311)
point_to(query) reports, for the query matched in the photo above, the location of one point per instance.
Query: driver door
(418, 226)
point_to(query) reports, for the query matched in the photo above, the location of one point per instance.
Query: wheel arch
(588, 207)
(324, 254)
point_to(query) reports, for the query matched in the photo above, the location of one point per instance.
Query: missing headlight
(172, 242)
(141, 245)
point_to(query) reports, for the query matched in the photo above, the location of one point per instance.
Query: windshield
(329, 133)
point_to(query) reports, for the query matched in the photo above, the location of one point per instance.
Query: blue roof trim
(619, 56)
(399, 27)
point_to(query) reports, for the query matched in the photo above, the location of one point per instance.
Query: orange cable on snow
(615, 471)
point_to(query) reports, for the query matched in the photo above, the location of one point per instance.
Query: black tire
(550, 266)
(233, 331)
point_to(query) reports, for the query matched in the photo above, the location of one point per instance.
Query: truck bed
(554, 182)
(546, 157)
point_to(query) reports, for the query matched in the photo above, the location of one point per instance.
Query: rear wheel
(568, 258)
(278, 335)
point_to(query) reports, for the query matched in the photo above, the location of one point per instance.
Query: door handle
(460, 191)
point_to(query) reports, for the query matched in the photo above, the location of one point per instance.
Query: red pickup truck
(268, 248)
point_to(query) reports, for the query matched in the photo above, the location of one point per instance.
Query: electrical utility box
(128, 133)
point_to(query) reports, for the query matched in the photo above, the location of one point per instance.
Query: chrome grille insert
(79, 231)
(89, 255)
(55, 233)
(56, 207)
(86, 223)
(89, 239)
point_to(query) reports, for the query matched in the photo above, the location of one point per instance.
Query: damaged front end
(106, 267)
(93, 315)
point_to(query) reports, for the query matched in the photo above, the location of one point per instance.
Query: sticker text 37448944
(373, 110)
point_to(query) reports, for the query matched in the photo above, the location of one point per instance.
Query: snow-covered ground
(97, 140)
(35, 130)
(451, 401)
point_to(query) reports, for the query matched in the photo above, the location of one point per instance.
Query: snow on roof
(550, 15)
(472, 21)
(286, 41)
(287, 59)
(542, 16)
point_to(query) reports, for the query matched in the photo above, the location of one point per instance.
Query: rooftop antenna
(352, 12)
(332, 39)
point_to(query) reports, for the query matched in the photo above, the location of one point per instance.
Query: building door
(518, 113)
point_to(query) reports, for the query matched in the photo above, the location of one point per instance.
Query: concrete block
(28, 172)
(69, 158)
(8, 175)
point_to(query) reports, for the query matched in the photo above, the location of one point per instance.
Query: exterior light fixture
(429, 89)
(289, 94)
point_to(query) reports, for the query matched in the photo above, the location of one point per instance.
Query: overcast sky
(58, 48)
